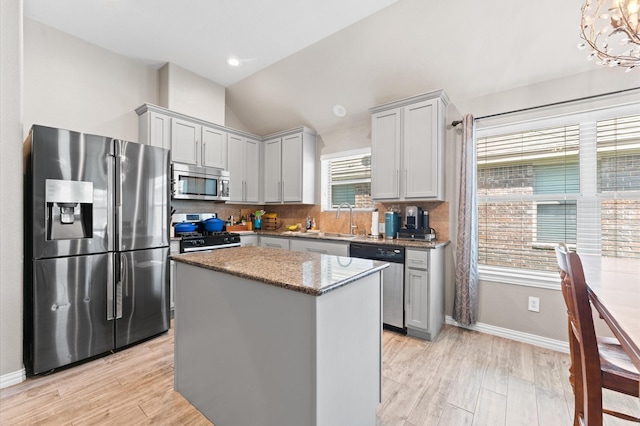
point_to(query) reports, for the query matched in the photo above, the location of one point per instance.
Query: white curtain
(465, 306)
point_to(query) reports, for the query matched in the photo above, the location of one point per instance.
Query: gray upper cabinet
(289, 167)
(214, 151)
(244, 169)
(279, 168)
(185, 140)
(154, 128)
(407, 148)
(191, 141)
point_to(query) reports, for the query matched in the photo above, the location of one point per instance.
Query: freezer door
(142, 196)
(68, 203)
(68, 307)
(142, 295)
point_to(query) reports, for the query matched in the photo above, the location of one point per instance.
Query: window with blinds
(618, 171)
(347, 179)
(576, 182)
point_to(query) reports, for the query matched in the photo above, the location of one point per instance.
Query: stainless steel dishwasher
(392, 280)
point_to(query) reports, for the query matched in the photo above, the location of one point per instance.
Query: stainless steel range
(199, 239)
(208, 241)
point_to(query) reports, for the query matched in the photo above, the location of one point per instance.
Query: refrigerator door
(142, 294)
(69, 207)
(70, 306)
(142, 196)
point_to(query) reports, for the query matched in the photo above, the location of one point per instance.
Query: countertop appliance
(199, 183)
(392, 280)
(417, 227)
(391, 224)
(96, 246)
(200, 239)
(414, 217)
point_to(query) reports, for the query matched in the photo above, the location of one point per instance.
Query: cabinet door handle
(406, 180)
(323, 251)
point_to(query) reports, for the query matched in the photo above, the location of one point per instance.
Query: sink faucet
(351, 225)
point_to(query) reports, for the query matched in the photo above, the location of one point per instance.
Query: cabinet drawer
(274, 242)
(323, 247)
(417, 259)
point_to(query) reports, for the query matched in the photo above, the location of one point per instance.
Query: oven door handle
(208, 248)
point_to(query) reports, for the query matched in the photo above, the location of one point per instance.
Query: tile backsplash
(325, 221)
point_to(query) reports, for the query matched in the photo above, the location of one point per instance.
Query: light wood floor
(463, 378)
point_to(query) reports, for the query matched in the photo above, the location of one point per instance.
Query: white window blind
(574, 178)
(346, 178)
(618, 152)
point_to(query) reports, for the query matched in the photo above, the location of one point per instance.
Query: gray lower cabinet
(424, 292)
(324, 247)
(248, 240)
(274, 242)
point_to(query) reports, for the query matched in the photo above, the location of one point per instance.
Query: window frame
(587, 195)
(325, 198)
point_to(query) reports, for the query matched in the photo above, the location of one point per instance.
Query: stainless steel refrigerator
(96, 246)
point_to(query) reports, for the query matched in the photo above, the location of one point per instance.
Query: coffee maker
(417, 225)
(414, 216)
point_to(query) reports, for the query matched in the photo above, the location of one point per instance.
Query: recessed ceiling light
(339, 111)
(234, 62)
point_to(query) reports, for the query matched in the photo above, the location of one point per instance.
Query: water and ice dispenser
(69, 207)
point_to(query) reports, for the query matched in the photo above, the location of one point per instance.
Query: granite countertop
(358, 239)
(310, 273)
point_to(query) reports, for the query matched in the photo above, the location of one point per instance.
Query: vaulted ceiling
(301, 57)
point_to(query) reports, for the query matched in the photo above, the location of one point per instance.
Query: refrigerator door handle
(119, 287)
(110, 159)
(118, 198)
(110, 266)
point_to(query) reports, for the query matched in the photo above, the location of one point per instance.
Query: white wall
(191, 94)
(71, 84)
(66, 82)
(11, 192)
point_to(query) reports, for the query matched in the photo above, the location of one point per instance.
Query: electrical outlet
(534, 304)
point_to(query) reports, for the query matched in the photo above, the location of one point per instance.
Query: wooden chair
(595, 363)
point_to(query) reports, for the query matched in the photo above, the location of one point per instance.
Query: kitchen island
(272, 337)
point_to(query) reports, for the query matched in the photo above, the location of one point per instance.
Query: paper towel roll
(374, 222)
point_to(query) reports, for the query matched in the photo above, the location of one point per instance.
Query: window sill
(522, 277)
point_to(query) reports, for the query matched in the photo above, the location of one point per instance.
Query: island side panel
(349, 353)
(243, 349)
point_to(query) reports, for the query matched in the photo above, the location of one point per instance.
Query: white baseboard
(532, 339)
(11, 379)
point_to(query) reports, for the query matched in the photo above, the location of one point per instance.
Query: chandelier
(611, 31)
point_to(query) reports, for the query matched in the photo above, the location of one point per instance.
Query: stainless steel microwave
(199, 183)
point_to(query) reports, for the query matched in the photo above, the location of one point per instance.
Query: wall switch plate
(534, 304)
